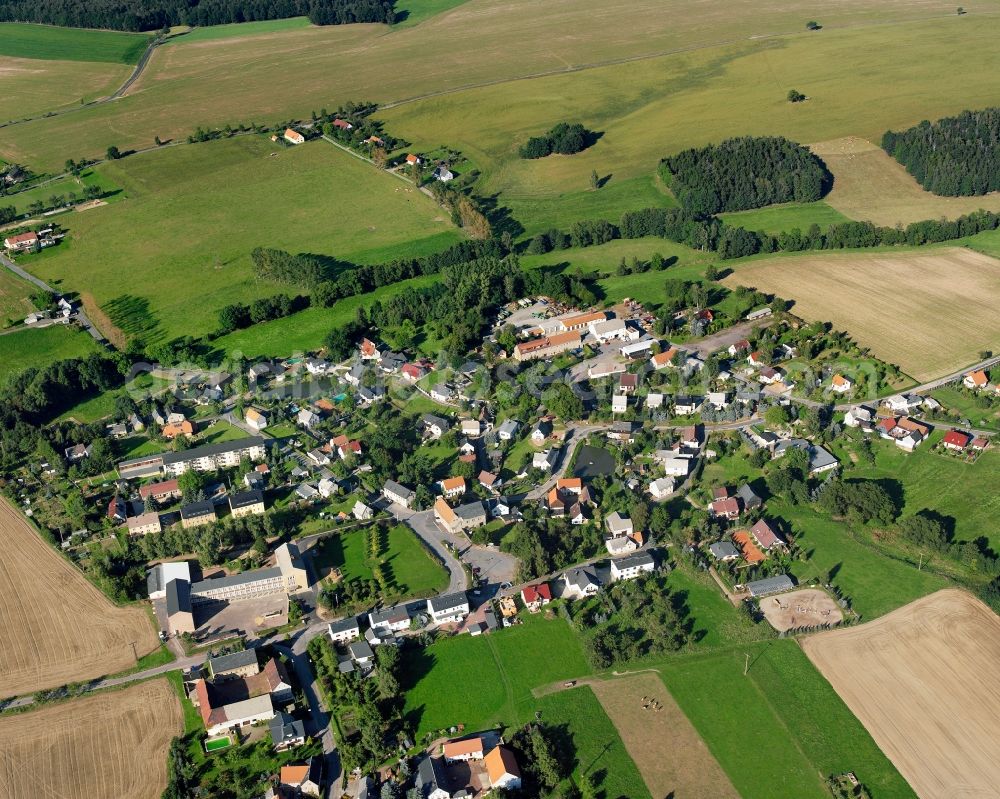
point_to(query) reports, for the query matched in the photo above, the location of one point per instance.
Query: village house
(860, 417)
(431, 780)
(197, 514)
(489, 481)
(546, 460)
(434, 426)
(765, 536)
(956, 440)
(144, 524)
(841, 384)
(663, 359)
(470, 427)
(246, 503)
(293, 136)
(413, 372)
(399, 494)
(76, 453)
(307, 779)
(541, 432)
(442, 392)
(977, 379)
(685, 405)
(448, 608)
(661, 488)
(654, 400)
(361, 511)
(621, 431)
(345, 630)
(452, 486)
(502, 769)
(724, 551)
(580, 583)
(388, 621)
(463, 750)
(619, 403)
(286, 732)
(236, 664)
(546, 346)
(22, 242)
(160, 492)
(603, 369)
(535, 597)
(738, 348)
(725, 508)
(631, 566)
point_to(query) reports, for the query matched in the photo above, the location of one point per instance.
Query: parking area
(248, 616)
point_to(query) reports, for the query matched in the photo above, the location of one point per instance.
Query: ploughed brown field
(56, 627)
(809, 607)
(111, 744)
(930, 311)
(924, 682)
(670, 755)
(872, 186)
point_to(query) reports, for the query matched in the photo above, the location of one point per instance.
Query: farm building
(770, 585)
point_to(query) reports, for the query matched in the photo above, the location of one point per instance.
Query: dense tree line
(563, 139)
(8, 213)
(237, 316)
(746, 172)
(955, 156)
(279, 266)
(148, 15)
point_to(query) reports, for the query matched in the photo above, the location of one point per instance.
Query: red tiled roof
(765, 536)
(154, 489)
(954, 438)
(533, 593)
(726, 507)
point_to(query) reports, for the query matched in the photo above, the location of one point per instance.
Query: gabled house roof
(765, 536)
(535, 593)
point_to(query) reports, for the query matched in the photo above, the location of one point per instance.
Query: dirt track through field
(55, 627)
(924, 682)
(930, 311)
(667, 750)
(106, 746)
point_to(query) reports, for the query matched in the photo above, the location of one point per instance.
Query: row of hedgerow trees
(955, 156)
(147, 15)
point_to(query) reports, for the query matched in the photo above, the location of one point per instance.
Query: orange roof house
(412, 159)
(751, 553)
(453, 486)
(976, 379)
(501, 768)
(294, 775)
(468, 749)
(185, 428)
(574, 484)
(293, 136)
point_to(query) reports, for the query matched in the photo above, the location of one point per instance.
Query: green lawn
(599, 750)
(39, 347)
(955, 399)
(413, 12)
(49, 42)
(778, 218)
(875, 582)
(135, 447)
(786, 703)
(220, 431)
(15, 298)
(91, 410)
(487, 680)
(240, 29)
(412, 571)
(58, 188)
(203, 208)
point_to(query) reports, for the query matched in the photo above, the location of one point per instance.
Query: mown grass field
(955, 400)
(646, 108)
(943, 318)
(778, 218)
(51, 43)
(30, 87)
(785, 701)
(29, 347)
(487, 680)
(15, 298)
(163, 263)
(871, 185)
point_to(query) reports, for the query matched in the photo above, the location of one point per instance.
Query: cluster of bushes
(146, 15)
(238, 316)
(8, 213)
(563, 139)
(746, 172)
(955, 156)
(279, 266)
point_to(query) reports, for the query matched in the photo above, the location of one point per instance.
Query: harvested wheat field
(670, 755)
(925, 682)
(55, 626)
(929, 311)
(870, 185)
(110, 744)
(809, 607)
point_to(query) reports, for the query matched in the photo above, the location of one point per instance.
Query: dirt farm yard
(809, 607)
(110, 744)
(924, 682)
(929, 311)
(55, 626)
(670, 755)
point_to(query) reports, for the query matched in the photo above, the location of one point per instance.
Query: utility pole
(746, 664)
(920, 565)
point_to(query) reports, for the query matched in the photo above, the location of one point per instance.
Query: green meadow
(30, 347)
(162, 262)
(49, 43)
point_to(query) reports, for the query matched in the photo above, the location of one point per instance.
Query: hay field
(930, 311)
(233, 78)
(15, 298)
(55, 626)
(670, 755)
(809, 607)
(923, 682)
(111, 744)
(194, 213)
(26, 40)
(872, 186)
(30, 86)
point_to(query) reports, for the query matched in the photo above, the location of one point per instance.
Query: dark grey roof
(342, 626)
(770, 585)
(387, 615)
(622, 427)
(723, 550)
(581, 578)
(398, 489)
(178, 597)
(245, 499)
(430, 776)
(430, 419)
(747, 494)
(360, 650)
(213, 449)
(470, 510)
(820, 458)
(632, 561)
(236, 579)
(154, 580)
(196, 509)
(234, 660)
(448, 601)
(285, 728)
